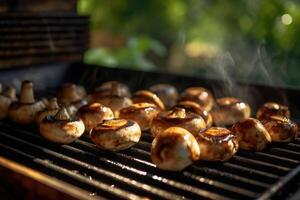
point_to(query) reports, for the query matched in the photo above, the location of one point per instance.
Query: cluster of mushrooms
(187, 127)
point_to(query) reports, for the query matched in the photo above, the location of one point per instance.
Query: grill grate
(130, 174)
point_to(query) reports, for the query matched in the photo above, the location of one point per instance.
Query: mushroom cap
(145, 96)
(200, 95)
(142, 113)
(217, 144)
(116, 134)
(94, 114)
(229, 110)
(281, 129)
(70, 93)
(193, 107)
(270, 109)
(174, 149)
(107, 87)
(61, 131)
(251, 134)
(167, 93)
(177, 117)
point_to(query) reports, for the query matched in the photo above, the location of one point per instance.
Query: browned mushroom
(217, 144)
(70, 93)
(281, 128)
(24, 111)
(174, 149)
(142, 113)
(94, 114)
(167, 93)
(177, 117)
(200, 95)
(229, 110)
(107, 87)
(61, 128)
(197, 109)
(271, 108)
(251, 134)
(145, 96)
(52, 109)
(116, 134)
(6, 99)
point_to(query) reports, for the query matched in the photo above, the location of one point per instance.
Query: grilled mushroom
(94, 114)
(24, 111)
(107, 87)
(70, 93)
(167, 93)
(61, 128)
(114, 100)
(196, 108)
(217, 144)
(271, 108)
(142, 113)
(144, 96)
(229, 110)
(281, 128)
(251, 134)
(200, 95)
(52, 109)
(174, 149)
(177, 117)
(6, 99)
(116, 134)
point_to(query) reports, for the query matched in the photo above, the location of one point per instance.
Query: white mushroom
(145, 96)
(52, 109)
(107, 87)
(174, 149)
(167, 93)
(24, 111)
(61, 128)
(116, 134)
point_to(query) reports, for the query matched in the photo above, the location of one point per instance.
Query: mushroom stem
(62, 114)
(27, 95)
(178, 112)
(53, 104)
(11, 93)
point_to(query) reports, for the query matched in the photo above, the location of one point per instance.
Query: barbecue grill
(49, 48)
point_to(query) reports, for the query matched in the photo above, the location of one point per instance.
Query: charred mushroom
(116, 134)
(217, 144)
(94, 114)
(52, 109)
(200, 95)
(177, 117)
(193, 107)
(251, 134)
(174, 149)
(113, 100)
(281, 128)
(167, 93)
(107, 87)
(6, 99)
(142, 113)
(61, 128)
(229, 110)
(144, 96)
(270, 108)
(24, 111)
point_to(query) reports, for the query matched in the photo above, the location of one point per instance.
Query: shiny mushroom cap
(174, 149)
(217, 144)
(71, 93)
(281, 128)
(116, 134)
(94, 114)
(251, 134)
(142, 113)
(177, 117)
(193, 107)
(145, 96)
(61, 128)
(24, 111)
(271, 108)
(200, 95)
(6, 99)
(229, 110)
(167, 93)
(52, 109)
(107, 88)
